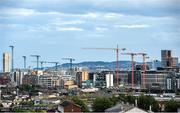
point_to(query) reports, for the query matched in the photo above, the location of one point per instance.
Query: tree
(81, 103)
(122, 97)
(114, 100)
(144, 102)
(130, 99)
(171, 106)
(29, 103)
(100, 104)
(25, 87)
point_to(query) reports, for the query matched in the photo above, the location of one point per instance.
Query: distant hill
(107, 65)
(99, 64)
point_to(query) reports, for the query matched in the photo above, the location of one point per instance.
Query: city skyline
(61, 28)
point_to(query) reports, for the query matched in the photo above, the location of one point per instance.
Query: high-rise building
(166, 58)
(6, 62)
(81, 77)
(104, 79)
(175, 61)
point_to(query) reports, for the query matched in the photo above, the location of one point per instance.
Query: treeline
(100, 104)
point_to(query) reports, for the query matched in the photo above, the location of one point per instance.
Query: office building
(109, 80)
(137, 78)
(81, 77)
(104, 79)
(49, 80)
(30, 79)
(6, 62)
(17, 76)
(178, 82)
(167, 60)
(92, 78)
(157, 79)
(175, 61)
(166, 56)
(173, 82)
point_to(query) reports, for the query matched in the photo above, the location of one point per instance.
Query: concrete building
(104, 79)
(109, 80)
(169, 82)
(123, 77)
(49, 80)
(173, 82)
(30, 79)
(178, 81)
(175, 61)
(81, 77)
(137, 78)
(167, 60)
(6, 62)
(91, 78)
(17, 76)
(166, 56)
(70, 84)
(156, 79)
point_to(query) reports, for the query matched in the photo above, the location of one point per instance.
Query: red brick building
(4, 78)
(68, 106)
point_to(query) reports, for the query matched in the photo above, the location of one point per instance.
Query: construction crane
(24, 57)
(41, 62)
(133, 64)
(56, 64)
(117, 50)
(37, 59)
(144, 55)
(70, 63)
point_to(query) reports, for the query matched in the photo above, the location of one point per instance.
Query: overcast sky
(60, 28)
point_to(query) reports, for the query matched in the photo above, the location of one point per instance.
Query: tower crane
(70, 63)
(133, 64)
(117, 50)
(56, 64)
(24, 57)
(144, 55)
(37, 59)
(41, 62)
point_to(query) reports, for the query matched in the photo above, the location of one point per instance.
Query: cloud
(74, 22)
(17, 11)
(69, 29)
(9, 25)
(23, 12)
(101, 29)
(132, 26)
(131, 7)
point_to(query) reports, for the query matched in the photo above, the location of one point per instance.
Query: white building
(6, 62)
(109, 80)
(17, 77)
(103, 79)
